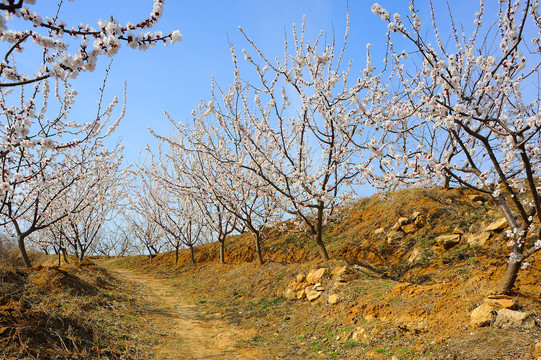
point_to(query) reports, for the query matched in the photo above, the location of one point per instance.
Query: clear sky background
(175, 78)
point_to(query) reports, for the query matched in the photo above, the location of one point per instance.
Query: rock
(497, 225)
(290, 294)
(458, 230)
(334, 298)
(448, 241)
(343, 274)
(396, 227)
(360, 335)
(412, 325)
(481, 316)
(506, 318)
(476, 197)
(410, 228)
(403, 221)
(312, 294)
(400, 223)
(420, 221)
(318, 287)
(416, 256)
(415, 215)
(337, 271)
(478, 239)
(345, 278)
(301, 294)
(500, 302)
(315, 276)
(301, 286)
(394, 236)
(301, 278)
(379, 231)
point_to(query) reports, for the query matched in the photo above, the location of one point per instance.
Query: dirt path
(187, 334)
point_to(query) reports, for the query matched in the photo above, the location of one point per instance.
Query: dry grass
(9, 254)
(73, 312)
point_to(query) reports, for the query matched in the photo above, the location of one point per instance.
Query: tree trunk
(222, 250)
(149, 254)
(512, 269)
(257, 240)
(509, 278)
(59, 258)
(176, 254)
(192, 254)
(65, 256)
(446, 182)
(319, 234)
(81, 256)
(22, 248)
(321, 247)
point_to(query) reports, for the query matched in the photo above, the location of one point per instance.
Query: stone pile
(501, 311)
(403, 226)
(448, 241)
(311, 286)
(306, 286)
(416, 221)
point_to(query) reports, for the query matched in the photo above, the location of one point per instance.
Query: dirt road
(186, 334)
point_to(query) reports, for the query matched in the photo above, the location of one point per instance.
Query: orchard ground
(407, 273)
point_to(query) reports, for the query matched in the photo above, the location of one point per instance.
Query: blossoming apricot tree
(34, 145)
(465, 108)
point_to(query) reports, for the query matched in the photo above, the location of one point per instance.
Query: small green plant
(382, 288)
(334, 354)
(425, 241)
(346, 329)
(316, 346)
(406, 353)
(257, 339)
(384, 352)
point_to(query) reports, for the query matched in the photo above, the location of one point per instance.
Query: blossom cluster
(54, 36)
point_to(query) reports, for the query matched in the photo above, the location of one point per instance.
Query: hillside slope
(407, 273)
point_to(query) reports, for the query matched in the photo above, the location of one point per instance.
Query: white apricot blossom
(457, 111)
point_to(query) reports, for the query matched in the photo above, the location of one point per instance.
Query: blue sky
(175, 78)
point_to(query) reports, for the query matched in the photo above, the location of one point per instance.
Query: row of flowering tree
(455, 108)
(89, 203)
(158, 202)
(256, 157)
(54, 166)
